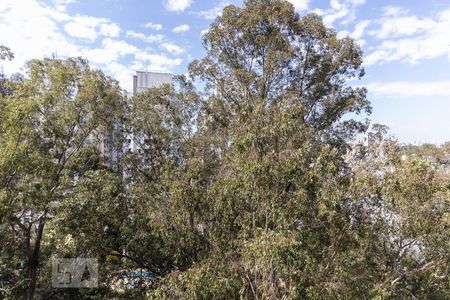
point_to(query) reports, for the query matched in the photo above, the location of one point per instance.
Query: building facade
(146, 80)
(141, 82)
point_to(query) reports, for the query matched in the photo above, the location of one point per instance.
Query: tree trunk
(33, 259)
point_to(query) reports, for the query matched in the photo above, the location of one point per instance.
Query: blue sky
(406, 46)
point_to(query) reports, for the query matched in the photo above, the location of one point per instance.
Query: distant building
(141, 82)
(146, 80)
(114, 141)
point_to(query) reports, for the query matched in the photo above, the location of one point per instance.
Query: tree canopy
(246, 179)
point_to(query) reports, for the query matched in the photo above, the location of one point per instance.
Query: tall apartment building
(146, 80)
(141, 82)
(110, 141)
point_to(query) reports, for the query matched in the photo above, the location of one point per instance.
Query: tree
(162, 122)
(265, 55)
(273, 211)
(286, 214)
(52, 125)
(5, 54)
(401, 207)
(252, 188)
(140, 219)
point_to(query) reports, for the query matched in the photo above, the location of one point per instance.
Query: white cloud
(123, 73)
(181, 28)
(357, 32)
(80, 30)
(153, 26)
(177, 5)
(214, 12)
(394, 11)
(31, 31)
(172, 48)
(409, 89)
(152, 38)
(110, 29)
(412, 41)
(360, 27)
(344, 10)
(90, 28)
(155, 62)
(61, 5)
(300, 5)
(111, 51)
(397, 26)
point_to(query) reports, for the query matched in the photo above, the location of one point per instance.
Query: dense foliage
(252, 188)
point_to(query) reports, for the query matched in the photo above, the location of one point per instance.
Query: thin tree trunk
(33, 260)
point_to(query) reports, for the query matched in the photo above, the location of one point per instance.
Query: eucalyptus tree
(276, 93)
(5, 54)
(162, 122)
(53, 124)
(400, 205)
(141, 217)
(265, 54)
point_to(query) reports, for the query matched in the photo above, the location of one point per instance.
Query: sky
(406, 46)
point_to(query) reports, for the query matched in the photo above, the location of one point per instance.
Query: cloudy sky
(406, 46)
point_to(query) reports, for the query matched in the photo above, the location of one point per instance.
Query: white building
(146, 80)
(141, 82)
